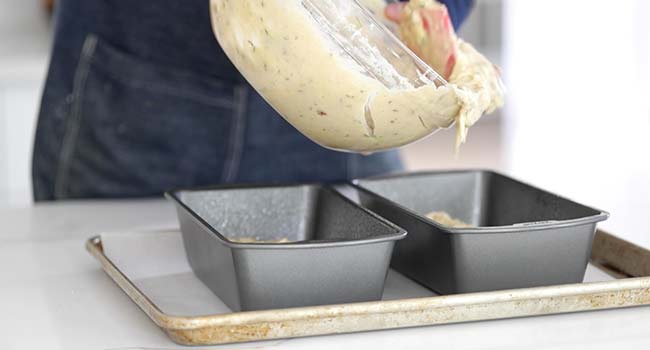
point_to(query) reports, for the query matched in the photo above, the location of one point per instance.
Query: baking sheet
(155, 262)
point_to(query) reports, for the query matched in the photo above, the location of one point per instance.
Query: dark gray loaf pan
(521, 236)
(340, 252)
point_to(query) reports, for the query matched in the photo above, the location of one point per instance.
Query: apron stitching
(348, 173)
(74, 118)
(352, 166)
(235, 146)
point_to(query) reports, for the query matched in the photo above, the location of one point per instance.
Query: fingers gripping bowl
(337, 74)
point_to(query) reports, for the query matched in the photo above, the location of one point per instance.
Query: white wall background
(24, 46)
(578, 112)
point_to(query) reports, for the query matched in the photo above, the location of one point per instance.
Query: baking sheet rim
(641, 285)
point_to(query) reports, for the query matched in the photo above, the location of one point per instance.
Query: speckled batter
(281, 51)
(255, 240)
(446, 219)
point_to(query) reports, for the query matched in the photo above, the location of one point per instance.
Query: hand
(425, 27)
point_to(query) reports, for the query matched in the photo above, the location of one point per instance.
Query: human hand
(425, 27)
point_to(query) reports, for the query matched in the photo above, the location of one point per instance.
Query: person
(140, 99)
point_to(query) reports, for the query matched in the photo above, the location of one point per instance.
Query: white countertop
(54, 295)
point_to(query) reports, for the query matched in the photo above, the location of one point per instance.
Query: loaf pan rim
(398, 232)
(519, 227)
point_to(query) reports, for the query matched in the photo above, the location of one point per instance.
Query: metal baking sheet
(616, 256)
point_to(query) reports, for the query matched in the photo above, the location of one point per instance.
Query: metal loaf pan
(340, 251)
(521, 236)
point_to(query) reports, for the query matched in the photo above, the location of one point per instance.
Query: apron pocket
(137, 129)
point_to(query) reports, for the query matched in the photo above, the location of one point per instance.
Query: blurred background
(576, 121)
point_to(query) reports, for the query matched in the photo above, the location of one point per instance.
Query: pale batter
(443, 218)
(475, 76)
(283, 53)
(255, 240)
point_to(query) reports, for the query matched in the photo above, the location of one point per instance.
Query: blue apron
(140, 99)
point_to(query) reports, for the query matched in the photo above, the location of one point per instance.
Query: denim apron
(140, 99)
